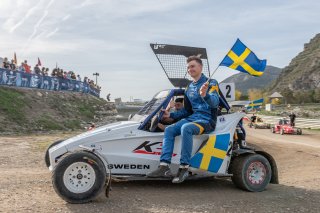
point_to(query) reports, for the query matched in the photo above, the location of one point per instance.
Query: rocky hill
(303, 72)
(29, 110)
(244, 82)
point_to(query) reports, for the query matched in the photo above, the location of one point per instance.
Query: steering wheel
(155, 120)
(154, 123)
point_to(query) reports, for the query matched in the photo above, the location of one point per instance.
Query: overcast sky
(112, 37)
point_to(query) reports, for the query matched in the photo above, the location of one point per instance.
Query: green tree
(238, 95)
(254, 94)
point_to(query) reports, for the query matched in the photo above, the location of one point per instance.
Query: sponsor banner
(22, 79)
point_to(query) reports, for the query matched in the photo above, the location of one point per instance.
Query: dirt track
(25, 183)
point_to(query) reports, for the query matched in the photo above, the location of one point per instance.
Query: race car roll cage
(177, 92)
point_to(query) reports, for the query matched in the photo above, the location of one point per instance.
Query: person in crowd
(54, 73)
(68, 75)
(61, 74)
(57, 72)
(43, 70)
(73, 76)
(27, 68)
(5, 63)
(21, 68)
(78, 78)
(13, 65)
(36, 70)
(46, 73)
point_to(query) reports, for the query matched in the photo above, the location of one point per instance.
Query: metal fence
(300, 122)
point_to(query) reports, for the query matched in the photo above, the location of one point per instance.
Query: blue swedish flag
(255, 104)
(210, 157)
(241, 58)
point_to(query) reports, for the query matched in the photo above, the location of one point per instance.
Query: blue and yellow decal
(210, 157)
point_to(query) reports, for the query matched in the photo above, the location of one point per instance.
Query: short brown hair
(194, 58)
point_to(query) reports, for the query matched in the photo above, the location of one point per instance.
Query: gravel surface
(25, 182)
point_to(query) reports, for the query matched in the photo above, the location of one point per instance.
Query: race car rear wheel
(299, 131)
(46, 157)
(251, 172)
(79, 177)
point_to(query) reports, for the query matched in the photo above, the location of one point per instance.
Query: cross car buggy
(260, 124)
(283, 126)
(82, 166)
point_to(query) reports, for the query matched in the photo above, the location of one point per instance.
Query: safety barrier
(299, 122)
(22, 79)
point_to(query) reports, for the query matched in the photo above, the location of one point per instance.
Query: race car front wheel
(251, 172)
(281, 131)
(79, 177)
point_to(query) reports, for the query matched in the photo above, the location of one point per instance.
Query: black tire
(91, 163)
(46, 156)
(299, 131)
(240, 168)
(281, 131)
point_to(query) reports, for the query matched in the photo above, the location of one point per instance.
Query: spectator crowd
(44, 71)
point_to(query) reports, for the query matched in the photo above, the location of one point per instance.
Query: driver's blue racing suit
(198, 116)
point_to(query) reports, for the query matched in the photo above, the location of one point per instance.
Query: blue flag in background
(241, 58)
(255, 104)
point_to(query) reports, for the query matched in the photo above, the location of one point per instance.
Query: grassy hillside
(26, 110)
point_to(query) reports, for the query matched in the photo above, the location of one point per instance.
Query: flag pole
(214, 71)
(218, 65)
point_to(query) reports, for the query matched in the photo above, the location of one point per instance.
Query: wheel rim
(79, 177)
(256, 173)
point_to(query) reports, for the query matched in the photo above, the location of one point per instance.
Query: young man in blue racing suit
(198, 116)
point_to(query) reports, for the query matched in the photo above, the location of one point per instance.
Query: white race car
(83, 165)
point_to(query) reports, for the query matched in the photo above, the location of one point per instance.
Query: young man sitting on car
(199, 116)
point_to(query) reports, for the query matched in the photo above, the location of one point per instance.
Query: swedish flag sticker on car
(210, 157)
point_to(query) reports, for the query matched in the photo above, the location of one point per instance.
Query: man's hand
(203, 89)
(166, 114)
